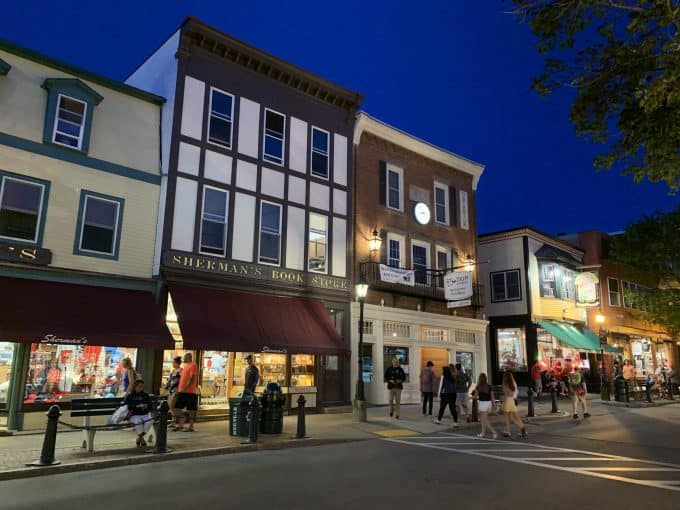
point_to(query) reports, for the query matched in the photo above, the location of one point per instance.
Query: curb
(16, 474)
(641, 404)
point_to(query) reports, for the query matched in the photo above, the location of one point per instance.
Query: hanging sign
(397, 275)
(458, 285)
(587, 290)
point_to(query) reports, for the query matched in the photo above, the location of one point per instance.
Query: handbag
(121, 414)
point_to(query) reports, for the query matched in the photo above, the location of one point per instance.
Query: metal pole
(162, 432)
(50, 439)
(360, 358)
(553, 399)
(648, 391)
(254, 424)
(301, 426)
(475, 409)
(530, 400)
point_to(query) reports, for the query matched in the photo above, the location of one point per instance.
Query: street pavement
(619, 458)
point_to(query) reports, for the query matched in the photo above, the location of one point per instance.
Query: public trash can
(620, 389)
(272, 410)
(238, 417)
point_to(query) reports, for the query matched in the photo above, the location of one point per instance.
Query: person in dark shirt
(139, 404)
(252, 377)
(394, 377)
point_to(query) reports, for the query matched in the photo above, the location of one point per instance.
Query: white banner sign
(396, 275)
(458, 304)
(458, 285)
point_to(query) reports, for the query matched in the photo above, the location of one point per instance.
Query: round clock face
(422, 213)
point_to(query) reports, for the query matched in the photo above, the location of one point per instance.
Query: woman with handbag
(510, 411)
(139, 404)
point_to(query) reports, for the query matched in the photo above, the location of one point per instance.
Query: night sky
(453, 72)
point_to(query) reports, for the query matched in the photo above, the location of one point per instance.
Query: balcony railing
(429, 284)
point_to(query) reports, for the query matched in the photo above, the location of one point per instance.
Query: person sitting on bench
(139, 404)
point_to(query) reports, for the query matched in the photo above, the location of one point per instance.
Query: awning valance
(241, 321)
(51, 312)
(570, 335)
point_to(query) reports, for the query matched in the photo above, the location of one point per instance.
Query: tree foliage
(622, 59)
(651, 247)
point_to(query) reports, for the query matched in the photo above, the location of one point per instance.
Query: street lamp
(604, 386)
(469, 263)
(361, 289)
(374, 243)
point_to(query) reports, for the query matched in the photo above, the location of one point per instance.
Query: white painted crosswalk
(660, 475)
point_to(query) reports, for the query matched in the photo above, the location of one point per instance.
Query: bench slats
(105, 406)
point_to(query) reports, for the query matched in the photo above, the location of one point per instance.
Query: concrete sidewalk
(117, 448)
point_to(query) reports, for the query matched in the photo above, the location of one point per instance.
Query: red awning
(51, 312)
(241, 321)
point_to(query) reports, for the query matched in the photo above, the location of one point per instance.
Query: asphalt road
(553, 469)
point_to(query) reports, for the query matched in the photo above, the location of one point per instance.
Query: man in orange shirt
(187, 393)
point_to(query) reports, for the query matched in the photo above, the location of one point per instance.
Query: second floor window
(394, 253)
(100, 225)
(70, 120)
(320, 143)
(270, 233)
(274, 136)
(394, 188)
(318, 243)
(614, 292)
(419, 259)
(214, 221)
(441, 203)
(21, 204)
(505, 286)
(221, 118)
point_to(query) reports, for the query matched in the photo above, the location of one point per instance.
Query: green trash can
(272, 401)
(238, 417)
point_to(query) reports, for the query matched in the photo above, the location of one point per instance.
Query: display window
(214, 369)
(367, 353)
(512, 350)
(302, 370)
(62, 372)
(467, 361)
(546, 345)
(643, 361)
(272, 368)
(6, 356)
(168, 356)
(401, 353)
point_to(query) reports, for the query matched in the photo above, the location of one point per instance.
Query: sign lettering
(54, 339)
(25, 254)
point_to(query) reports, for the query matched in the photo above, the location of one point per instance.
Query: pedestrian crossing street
(660, 475)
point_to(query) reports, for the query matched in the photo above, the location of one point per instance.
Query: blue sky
(454, 72)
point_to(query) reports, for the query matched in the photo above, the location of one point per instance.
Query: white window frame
(610, 292)
(445, 187)
(443, 249)
(40, 210)
(259, 234)
(426, 245)
(231, 127)
(464, 209)
(264, 138)
(82, 126)
(402, 245)
(115, 230)
(309, 223)
(400, 172)
(312, 151)
(226, 220)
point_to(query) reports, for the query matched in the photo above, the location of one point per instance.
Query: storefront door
(440, 358)
(332, 368)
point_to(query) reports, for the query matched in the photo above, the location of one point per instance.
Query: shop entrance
(331, 379)
(440, 358)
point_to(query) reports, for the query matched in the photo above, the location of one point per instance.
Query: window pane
(212, 237)
(270, 233)
(66, 140)
(320, 140)
(498, 286)
(69, 122)
(442, 260)
(99, 224)
(97, 239)
(439, 196)
(275, 123)
(394, 198)
(270, 217)
(220, 131)
(101, 212)
(394, 254)
(68, 128)
(420, 264)
(221, 104)
(318, 234)
(319, 164)
(71, 105)
(21, 196)
(511, 350)
(393, 179)
(273, 149)
(215, 205)
(512, 280)
(440, 211)
(269, 247)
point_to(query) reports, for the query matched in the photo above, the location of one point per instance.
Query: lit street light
(361, 289)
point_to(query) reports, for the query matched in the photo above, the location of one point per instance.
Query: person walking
(187, 393)
(427, 387)
(510, 412)
(463, 383)
(537, 376)
(628, 377)
(484, 393)
(447, 396)
(139, 404)
(579, 391)
(171, 387)
(395, 377)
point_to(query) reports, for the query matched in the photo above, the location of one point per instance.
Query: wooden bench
(89, 407)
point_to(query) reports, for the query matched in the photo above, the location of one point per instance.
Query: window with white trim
(420, 261)
(395, 185)
(274, 136)
(214, 221)
(220, 120)
(320, 151)
(368, 327)
(395, 250)
(466, 337)
(441, 203)
(100, 225)
(270, 233)
(434, 334)
(318, 243)
(443, 263)
(396, 329)
(21, 209)
(505, 286)
(614, 292)
(69, 122)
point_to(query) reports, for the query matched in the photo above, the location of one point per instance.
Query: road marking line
(498, 450)
(600, 459)
(628, 469)
(396, 433)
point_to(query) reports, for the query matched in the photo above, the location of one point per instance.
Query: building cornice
(198, 34)
(366, 123)
(535, 234)
(423, 318)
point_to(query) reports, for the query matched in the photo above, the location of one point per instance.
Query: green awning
(572, 336)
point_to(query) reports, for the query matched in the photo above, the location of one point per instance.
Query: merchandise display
(302, 370)
(6, 354)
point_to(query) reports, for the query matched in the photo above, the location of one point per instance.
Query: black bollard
(553, 399)
(50, 439)
(670, 391)
(530, 400)
(301, 428)
(475, 408)
(626, 387)
(648, 391)
(162, 432)
(254, 421)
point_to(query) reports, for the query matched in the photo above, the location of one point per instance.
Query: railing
(429, 284)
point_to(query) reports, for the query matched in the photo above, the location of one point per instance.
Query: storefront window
(367, 360)
(272, 368)
(467, 361)
(401, 353)
(6, 355)
(214, 367)
(546, 345)
(512, 353)
(168, 356)
(302, 370)
(642, 357)
(62, 372)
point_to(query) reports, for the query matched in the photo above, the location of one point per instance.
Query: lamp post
(361, 289)
(605, 393)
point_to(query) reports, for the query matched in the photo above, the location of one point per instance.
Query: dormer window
(68, 128)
